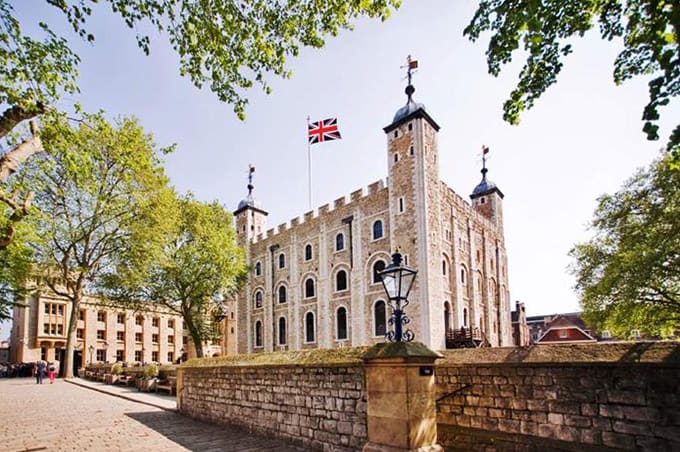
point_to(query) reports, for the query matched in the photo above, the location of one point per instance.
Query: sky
(582, 139)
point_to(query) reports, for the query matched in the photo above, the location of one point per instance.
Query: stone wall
(565, 397)
(318, 406)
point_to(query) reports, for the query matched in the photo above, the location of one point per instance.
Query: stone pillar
(401, 409)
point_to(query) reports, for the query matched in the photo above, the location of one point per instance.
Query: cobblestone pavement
(65, 416)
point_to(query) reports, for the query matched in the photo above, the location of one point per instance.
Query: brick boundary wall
(315, 406)
(586, 397)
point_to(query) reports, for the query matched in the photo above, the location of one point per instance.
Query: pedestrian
(51, 371)
(40, 367)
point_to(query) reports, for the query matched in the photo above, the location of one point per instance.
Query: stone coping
(301, 358)
(400, 350)
(665, 353)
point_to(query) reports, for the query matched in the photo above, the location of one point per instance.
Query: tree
(199, 263)
(228, 45)
(100, 192)
(651, 46)
(628, 274)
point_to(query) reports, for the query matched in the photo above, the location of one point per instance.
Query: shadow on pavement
(201, 436)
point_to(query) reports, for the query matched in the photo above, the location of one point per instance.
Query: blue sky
(582, 139)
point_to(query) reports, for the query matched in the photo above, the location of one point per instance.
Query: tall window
(258, 299)
(139, 320)
(377, 268)
(282, 294)
(462, 275)
(341, 280)
(258, 268)
(282, 260)
(341, 320)
(377, 230)
(309, 327)
(258, 334)
(447, 316)
(156, 322)
(340, 242)
(309, 288)
(465, 317)
(379, 319)
(120, 318)
(444, 267)
(282, 331)
(120, 336)
(308, 252)
(101, 316)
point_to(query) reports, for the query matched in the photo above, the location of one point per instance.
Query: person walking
(40, 367)
(51, 371)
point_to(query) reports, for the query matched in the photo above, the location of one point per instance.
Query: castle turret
(414, 202)
(251, 220)
(487, 198)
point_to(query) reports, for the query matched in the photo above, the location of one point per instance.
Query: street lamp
(397, 281)
(91, 350)
(181, 354)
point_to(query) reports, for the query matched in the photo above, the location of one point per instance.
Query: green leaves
(651, 47)
(230, 45)
(33, 71)
(628, 275)
(197, 259)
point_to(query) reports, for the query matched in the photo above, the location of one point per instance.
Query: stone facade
(103, 333)
(599, 396)
(313, 283)
(316, 406)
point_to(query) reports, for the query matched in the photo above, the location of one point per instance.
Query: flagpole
(309, 165)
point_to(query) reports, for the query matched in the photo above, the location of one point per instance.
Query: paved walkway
(158, 400)
(66, 416)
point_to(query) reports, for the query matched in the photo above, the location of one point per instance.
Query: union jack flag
(324, 130)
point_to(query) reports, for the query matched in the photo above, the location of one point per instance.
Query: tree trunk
(71, 337)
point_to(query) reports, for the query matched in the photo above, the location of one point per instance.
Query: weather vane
(251, 170)
(410, 66)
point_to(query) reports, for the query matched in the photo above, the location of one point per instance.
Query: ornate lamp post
(91, 350)
(397, 281)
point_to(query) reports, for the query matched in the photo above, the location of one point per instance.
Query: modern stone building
(104, 334)
(314, 280)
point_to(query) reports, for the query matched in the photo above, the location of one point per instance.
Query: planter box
(147, 385)
(111, 378)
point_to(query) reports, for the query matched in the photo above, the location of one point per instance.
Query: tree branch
(11, 160)
(14, 115)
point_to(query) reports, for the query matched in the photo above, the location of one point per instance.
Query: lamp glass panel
(390, 284)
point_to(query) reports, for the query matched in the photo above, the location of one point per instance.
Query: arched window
(258, 268)
(341, 321)
(282, 331)
(340, 242)
(308, 252)
(258, 299)
(444, 267)
(282, 260)
(462, 275)
(377, 230)
(379, 318)
(282, 294)
(377, 268)
(309, 327)
(341, 280)
(309, 288)
(258, 334)
(447, 316)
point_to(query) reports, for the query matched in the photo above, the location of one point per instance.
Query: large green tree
(199, 264)
(227, 45)
(545, 30)
(100, 193)
(628, 274)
